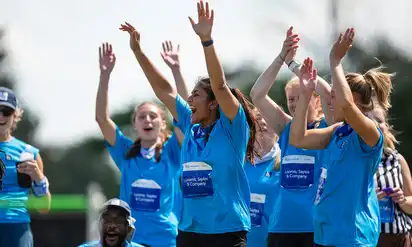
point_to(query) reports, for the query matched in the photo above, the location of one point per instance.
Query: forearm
(181, 86)
(214, 67)
(343, 93)
(157, 81)
(299, 122)
(102, 97)
(265, 81)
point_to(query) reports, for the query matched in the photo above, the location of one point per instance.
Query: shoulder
(23, 145)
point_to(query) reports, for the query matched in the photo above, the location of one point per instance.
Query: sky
(53, 46)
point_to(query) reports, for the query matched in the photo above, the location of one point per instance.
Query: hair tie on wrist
(207, 43)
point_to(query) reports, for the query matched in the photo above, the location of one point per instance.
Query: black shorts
(229, 239)
(290, 239)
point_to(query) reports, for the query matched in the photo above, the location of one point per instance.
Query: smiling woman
(21, 171)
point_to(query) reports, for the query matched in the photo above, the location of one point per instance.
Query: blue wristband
(207, 43)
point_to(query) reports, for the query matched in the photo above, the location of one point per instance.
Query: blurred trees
(71, 168)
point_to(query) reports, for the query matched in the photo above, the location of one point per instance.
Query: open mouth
(193, 109)
(148, 129)
(111, 237)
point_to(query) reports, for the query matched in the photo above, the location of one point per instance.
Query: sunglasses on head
(6, 111)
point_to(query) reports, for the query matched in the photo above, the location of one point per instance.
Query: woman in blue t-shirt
(346, 211)
(291, 222)
(149, 166)
(21, 171)
(263, 177)
(217, 122)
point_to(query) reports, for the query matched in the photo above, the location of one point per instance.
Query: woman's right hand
(107, 59)
(342, 46)
(290, 46)
(134, 36)
(307, 77)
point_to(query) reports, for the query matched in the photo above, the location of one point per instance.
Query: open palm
(170, 54)
(107, 58)
(342, 45)
(134, 41)
(203, 28)
(308, 77)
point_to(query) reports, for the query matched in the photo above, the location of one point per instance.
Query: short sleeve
(120, 148)
(367, 150)
(183, 113)
(172, 151)
(238, 128)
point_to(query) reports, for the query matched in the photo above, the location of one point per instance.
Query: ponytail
(381, 85)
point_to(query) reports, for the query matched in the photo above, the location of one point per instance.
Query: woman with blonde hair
(394, 186)
(291, 222)
(263, 177)
(346, 211)
(21, 171)
(149, 165)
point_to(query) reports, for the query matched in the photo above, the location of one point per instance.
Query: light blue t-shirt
(346, 211)
(299, 175)
(13, 199)
(264, 188)
(150, 188)
(98, 244)
(216, 193)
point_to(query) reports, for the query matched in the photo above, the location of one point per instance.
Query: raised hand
(308, 77)
(107, 58)
(134, 36)
(170, 55)
(342, 46)
(290, 46)
(203, 28)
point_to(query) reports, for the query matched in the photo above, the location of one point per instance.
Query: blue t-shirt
(264, 188)
(150, 188)
(299, 175)
(13, 199)
(98, 244)
(216, 193)
(346, 211)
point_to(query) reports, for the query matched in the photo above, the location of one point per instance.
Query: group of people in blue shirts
(241, 173)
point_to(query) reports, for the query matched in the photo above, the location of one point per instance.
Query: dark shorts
(16, 235)
(386, 239)
(229, 239)
(290, 239)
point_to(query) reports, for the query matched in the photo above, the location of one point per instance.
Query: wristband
(42, 188)
(207, 43)
(292, 65)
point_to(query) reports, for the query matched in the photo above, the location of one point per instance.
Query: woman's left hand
(31, 168)
(398, 196)
(205, 21)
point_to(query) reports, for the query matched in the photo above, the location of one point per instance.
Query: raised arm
(363, 125)
(107, 60)
(322, 88)
(162, 88)
(273, 113)
(226, 100)
(299, 136)
(170, 55)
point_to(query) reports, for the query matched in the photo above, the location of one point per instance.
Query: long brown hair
(254, 125)
(164, 134)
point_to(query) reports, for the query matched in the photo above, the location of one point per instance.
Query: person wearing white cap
(116, 226)
(21, 170)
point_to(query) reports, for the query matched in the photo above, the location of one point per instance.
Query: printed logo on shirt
(145, 195)
(322, 180)
(386, 210)
(197, 180)
(257, 206)
(297, 171)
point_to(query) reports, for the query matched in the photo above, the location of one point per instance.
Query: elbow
(101, 119)
(253, 95)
